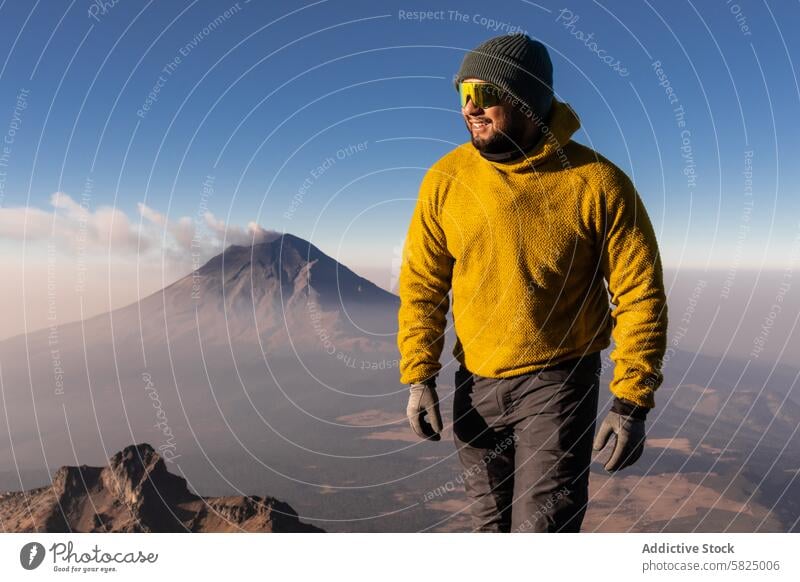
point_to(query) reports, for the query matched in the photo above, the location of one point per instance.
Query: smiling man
(548, 253)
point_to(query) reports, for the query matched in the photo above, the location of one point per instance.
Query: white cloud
(72, 224)
(152, 215)
(106, 229)
(235, 235)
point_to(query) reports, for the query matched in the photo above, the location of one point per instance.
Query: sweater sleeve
(424, 284)
(631, 264)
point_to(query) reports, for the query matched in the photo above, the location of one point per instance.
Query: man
(526, 227)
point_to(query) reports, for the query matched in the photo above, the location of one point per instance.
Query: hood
(563, 122)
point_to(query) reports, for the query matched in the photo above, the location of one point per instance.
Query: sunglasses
(482, 94)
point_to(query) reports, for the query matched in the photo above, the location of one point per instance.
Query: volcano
(231, 346)
(283, 292)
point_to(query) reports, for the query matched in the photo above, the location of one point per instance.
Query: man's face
(497, 129)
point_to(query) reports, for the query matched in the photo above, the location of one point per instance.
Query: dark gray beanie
(517, 64)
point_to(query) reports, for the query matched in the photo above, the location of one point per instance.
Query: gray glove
(421, 402)
(630, 438)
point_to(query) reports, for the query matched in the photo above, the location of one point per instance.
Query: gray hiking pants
(525, 444)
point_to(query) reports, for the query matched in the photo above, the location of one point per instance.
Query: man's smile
(478, 125)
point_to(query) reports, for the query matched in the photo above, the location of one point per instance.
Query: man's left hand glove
(630, 437)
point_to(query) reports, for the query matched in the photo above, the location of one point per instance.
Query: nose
(470, 108)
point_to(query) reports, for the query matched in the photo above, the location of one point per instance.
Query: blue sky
(261, 99)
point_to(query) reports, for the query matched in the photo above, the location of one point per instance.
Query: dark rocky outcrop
(136, 493)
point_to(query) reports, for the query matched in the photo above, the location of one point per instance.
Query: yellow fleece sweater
(527, 248)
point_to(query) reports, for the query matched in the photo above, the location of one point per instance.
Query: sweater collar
(511, 156)
(563, 122)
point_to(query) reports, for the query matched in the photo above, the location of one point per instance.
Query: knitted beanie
(516, 63)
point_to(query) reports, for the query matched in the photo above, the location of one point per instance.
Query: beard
(507, 137)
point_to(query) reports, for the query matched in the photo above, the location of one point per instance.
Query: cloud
(109, 230)
(180, 234)
(73, 224)
(236, 235)
(152, 215)
(205, 237)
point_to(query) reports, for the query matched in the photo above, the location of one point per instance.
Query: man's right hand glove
(423, 401)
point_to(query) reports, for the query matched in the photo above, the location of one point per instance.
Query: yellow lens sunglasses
(483, 94)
